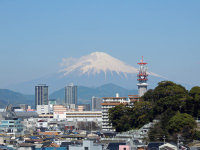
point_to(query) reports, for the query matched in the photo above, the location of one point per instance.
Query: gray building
(96, 103)
(23, 106)
(87, 145)
(41, 94)
(86, 106)
(71, 94)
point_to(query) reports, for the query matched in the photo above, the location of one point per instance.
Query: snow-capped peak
(95, 63)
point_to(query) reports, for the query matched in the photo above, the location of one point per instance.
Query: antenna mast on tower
(142, 78)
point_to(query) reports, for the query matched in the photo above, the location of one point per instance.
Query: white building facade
(110, 102)
(43, 109)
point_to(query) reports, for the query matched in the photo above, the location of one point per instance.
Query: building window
(86, 148)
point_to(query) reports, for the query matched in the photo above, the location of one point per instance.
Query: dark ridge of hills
(84, 95)
(15, 98)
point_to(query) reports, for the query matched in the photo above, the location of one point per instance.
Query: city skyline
(36, 36)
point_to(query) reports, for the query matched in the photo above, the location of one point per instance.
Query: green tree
(157, 133)
(168, 98)
(179, 121)
(197, 135)
(148, 96)
(183, 124)
(124, 118)
(194, 91)
(195, 101)
(143, 113)
(167, 95)
(119, 117)
(168, 88)
(170, 103)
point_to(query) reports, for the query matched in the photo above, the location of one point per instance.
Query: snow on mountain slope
(96, 63)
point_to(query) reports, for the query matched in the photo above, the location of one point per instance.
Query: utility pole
(178, 141)
(164, 138)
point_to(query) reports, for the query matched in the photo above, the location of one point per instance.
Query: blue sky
(36, 35)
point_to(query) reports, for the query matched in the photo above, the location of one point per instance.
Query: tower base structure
(142, 88)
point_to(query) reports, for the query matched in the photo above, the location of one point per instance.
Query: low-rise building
(86, 107)
(124, 147)
(87, 145)
(52, 102)
(59, 112)
(11, 126)
(43, 109)
(26, 146)
(24, 106)
(84, 116)
(42, 124)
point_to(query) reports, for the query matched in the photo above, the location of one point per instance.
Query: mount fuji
(93, 70)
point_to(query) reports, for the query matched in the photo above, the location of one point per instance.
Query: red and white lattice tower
(142, 78)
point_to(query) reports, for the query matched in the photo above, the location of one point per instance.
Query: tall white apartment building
(71, 95)
(110, 102)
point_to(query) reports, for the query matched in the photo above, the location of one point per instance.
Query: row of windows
(6, 126)
(9, 121)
